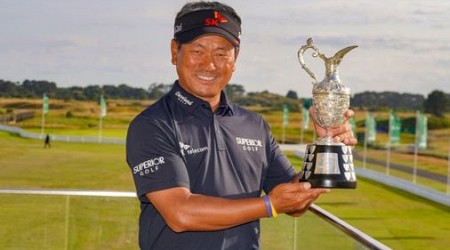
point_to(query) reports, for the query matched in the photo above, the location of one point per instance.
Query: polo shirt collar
(194, 104)
(224, 108)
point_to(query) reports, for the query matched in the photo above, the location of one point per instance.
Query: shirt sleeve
(153, 155)
(280, 169)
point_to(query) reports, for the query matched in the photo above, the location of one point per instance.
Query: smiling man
(198, 182)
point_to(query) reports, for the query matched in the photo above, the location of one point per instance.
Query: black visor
(199, 23)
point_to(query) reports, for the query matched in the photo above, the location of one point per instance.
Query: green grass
(60, 222)
(38, 222)
(396, 218)
(25, 163)
(305, 232)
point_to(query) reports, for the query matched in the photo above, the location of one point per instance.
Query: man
(47, 141)
(200, 162)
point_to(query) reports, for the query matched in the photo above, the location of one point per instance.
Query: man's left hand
(342, 133)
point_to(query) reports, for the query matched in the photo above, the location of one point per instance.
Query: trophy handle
(301, 51)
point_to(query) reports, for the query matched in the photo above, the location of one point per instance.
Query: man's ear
(174, 51)
(236, 54)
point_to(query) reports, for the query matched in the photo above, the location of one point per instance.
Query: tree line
(437, 102)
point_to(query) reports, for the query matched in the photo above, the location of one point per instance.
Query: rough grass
(26, 163)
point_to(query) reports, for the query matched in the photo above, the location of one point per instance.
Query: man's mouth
(206, 78)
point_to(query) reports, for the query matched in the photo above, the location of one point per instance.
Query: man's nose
(208, 61)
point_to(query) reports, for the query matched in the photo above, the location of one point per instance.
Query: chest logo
(187, 149)
(249, 144)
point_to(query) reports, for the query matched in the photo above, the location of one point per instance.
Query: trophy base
(328, 165)
(326, 182)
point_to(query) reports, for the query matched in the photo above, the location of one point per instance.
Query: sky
(404, 45)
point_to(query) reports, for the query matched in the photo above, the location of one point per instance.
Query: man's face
(204, 66)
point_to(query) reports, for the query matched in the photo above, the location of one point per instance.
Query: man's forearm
(195, 212)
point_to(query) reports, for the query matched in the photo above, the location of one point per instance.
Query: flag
(45, 104)
(285, 115)
(353, 125)
(305, 117)
(305, 112)
(421, 133)
(102, 106)
(394, 128)
(371, 128)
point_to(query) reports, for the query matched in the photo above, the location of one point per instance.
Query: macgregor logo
(249, 144)
(183, 99)
(187, 149)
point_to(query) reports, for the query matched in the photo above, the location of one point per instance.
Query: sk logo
(218, 18)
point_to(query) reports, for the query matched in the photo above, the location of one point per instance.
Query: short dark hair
(201, 5)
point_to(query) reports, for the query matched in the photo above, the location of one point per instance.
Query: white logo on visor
(178, 28)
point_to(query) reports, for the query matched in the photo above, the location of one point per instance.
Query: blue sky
(404, 45)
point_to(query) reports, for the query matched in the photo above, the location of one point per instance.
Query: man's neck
(214, 102)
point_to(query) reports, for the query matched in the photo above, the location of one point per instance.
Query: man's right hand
(294, 198)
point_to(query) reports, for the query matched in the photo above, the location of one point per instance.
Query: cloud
(403, 44)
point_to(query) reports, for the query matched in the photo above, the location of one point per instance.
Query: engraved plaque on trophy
(328, 164)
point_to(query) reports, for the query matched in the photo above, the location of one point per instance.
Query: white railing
(360, 237)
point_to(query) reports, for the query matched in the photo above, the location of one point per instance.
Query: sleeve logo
(149, 166)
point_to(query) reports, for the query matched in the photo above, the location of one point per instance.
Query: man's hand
(342, 133)
(294, 198)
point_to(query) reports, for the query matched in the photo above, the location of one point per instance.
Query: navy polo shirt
(180, 142)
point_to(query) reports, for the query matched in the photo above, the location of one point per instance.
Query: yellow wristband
(274, 212)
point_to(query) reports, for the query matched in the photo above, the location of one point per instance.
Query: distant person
(47, 141)
(200, 162)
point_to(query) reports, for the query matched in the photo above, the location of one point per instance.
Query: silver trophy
(328, 164)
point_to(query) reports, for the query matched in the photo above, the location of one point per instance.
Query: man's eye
(222, 54)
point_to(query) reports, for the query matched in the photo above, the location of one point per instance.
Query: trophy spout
(332, 63)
